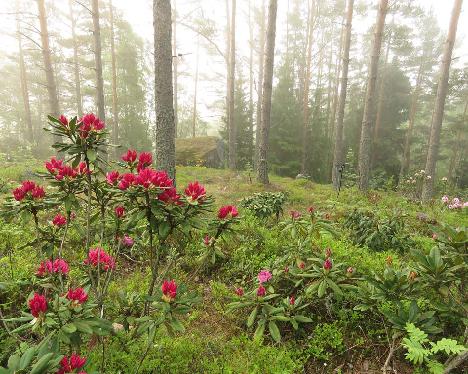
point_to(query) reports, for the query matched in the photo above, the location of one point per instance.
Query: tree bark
(232, 126)
(76, 66)
(367, 120)
(406, 160)
(98, 61)
(54, 108)
(195, 89)
(261, 64)
(165, 125)
(115, 111)
(251, 83)
(338, 154)
(24, 81)
(175, 63)
(306, 87)
(262, 171)
(438, 113)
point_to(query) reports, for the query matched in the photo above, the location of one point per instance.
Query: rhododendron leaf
(259, 330)
(252, 316)
(26, 358)
(274, 331)
(164, 229)
(42, 364)
(83, 327)
(21, 328)
(69, 328)
(177, 326)
(334, 287)
(13, 362)
(92, 155)
(302, 319)
(322, 288)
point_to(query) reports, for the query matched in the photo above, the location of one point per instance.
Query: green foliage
(327, 340)
(265, 204)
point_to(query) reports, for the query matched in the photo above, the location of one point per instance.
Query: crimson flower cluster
(227, 212)
(89, 123)
(59, 220)
(58, 266)
(169, 290)
(295, 214)
(28, 189)
(72, 363)
(145, 159)
(61, 171)
(77, 295)
(195, 192)
(97, 256)
(38, 305)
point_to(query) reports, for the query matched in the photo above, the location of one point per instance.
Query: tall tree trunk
(23, 80)
(195, 89)
(251, 83)
(338, 155)
(262, 171)
(97, 61)
(54, 109)
(459, 150)
(232, 126)
(76, 66)
(438, 113)
(175, 63)
(115, 111)
(406, 160)
(306, 87)
(165, 125)
(261, 65)
(365, 143)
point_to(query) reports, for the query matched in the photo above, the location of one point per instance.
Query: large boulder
(205, 151)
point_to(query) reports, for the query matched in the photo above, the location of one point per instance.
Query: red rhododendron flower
(89, 122)
(83, 169)
(170, 196)
(38, 304)
(38, 192)
(261, 291)
(295, 214)
(59, 266)
(69, 364)
(130, 156)
(227, 211)
(126, 181)
(207, 240)
(311, 209)
(145, 177)
(161, 179)
(77, 295)
(292, 300)
(195, 192)
(119, 211)
(66, 172)
(54, 165)
(349, 271)
(301, 265)
(112, 177)
(19, 193)
(286, 269)
(63, 120)
(97, 256)
(239, 291)
(145, 160)
(59, 220)
(28, 186)
(327, 265)
(169, 290)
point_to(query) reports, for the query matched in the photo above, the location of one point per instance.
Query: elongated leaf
(43, 362)
(252, 316)
(274, 331)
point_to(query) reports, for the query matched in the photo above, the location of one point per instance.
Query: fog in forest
(221, 97)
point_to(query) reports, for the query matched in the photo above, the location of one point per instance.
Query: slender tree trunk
(195, 84)
(76, 66)
(175, 63)
(97, 61)
(261, 63)
(365, 143)
(165, 125)
(54, 109)
(459, 150)
(405, 164)
(262, 171)
(306, 87)
(338, 155)
(115, 111)
(232, 71)
(24, 81)
(251, 82)
(438, 113)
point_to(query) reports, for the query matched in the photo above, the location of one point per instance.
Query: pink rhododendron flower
(292, 300)
(89, 122)
(77, 295)
(129, 157)
(99, 256)
(38, 192)
(239, 291)
(227, 212)
(126, 181)
(327, 265)
(301, 265)
(169, 290)
(59, 220)
(195, 192)
(54, 165)
(127, 241)
(263, 276)
(28, 187)
(83, 169)
(261, 291)
(294, 214)
(445, 199)
(207, 240)
(349, 271)
(63, 120)
(19, 193)
(170, 196)
(37, 305)
(434, 236)
(70, 364)
(144, 160)
(119, 211)
(112, 177)
(58, 266)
